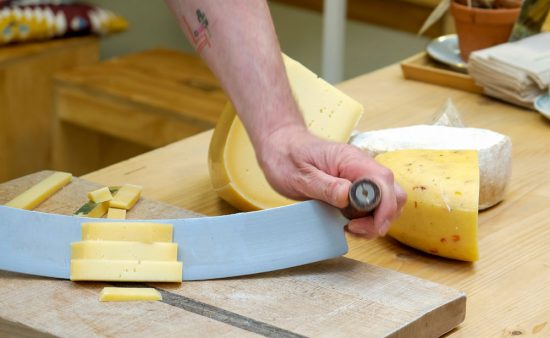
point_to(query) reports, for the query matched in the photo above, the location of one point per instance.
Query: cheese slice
(234, 171)
(114, 213)
(127, 231)
(124, 250)
(440, 216)
(126, 197)
(40, 192)
(100, 195)
(125, 270)
(112, 294)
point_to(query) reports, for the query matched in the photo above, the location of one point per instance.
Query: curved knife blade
(210, 247)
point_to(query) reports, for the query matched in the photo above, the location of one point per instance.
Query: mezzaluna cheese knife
(38, 243)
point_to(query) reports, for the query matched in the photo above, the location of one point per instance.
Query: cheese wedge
(40, 192)
(112, 294)
(440, 216)
(494, 151)
(127, 231)
(114, 213)
(124, 250)
(234, 171)
(100, 195)
(125, 270)
(126, 197)
(96, 210)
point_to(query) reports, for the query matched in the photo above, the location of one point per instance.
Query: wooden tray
(421, 68)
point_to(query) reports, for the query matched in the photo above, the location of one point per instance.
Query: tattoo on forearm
(201, 35)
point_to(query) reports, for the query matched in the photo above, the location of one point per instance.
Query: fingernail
(359, 231)
(341, 196)
(384, 228)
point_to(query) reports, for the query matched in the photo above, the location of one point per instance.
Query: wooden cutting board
(338, 297)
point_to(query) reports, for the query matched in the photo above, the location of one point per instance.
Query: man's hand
(301, 166)
(239, 44)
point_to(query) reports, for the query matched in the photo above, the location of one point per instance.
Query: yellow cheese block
(126, 197)
(234, 171)
(125, 270)
(440, 216)
(40, 192)
(127, 231)
(112, 294)
(100, 195)
(114, 213)
(124, 250)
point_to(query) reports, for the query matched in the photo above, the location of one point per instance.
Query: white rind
(494, 151)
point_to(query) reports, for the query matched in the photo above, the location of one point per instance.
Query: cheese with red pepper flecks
(440, 216)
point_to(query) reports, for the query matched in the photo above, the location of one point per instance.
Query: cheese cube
(440, 216)
(100, 195)
(127, 231)
(122, 250)
(125, 270)
(126, 197)
(38, 193)
(112, 294)
(114, 213)
(96, 210)
(234, 170)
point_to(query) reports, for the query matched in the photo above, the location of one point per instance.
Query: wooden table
(508, 288)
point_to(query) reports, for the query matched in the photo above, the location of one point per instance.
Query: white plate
(542, 104)
(445, 50)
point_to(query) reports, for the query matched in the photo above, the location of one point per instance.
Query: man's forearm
(238, 41)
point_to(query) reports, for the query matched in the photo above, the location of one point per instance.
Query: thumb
(330, 189)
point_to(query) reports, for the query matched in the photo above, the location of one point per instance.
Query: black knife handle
(364, 196)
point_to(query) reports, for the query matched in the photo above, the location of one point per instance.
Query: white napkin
(517, 72)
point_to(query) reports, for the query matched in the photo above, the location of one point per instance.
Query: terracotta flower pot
(479, 28)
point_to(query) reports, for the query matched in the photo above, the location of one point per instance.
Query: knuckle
(386, 174)
(330, 189)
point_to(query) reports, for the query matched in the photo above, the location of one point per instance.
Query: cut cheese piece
(127, 231)
(92, 209)
(95, 210)
(100, 195)
(125, 270)
(112, 294)
(494, 151)
(440, 216)
(40, 192)
(124, 250)
(234, 171)
(114, 213)
(126, 197)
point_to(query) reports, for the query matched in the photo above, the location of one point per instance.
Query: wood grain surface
(338, 297)
(26, 103)
(508, 288)
(128, 105)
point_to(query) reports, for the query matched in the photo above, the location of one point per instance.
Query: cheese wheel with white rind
(494, 151)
